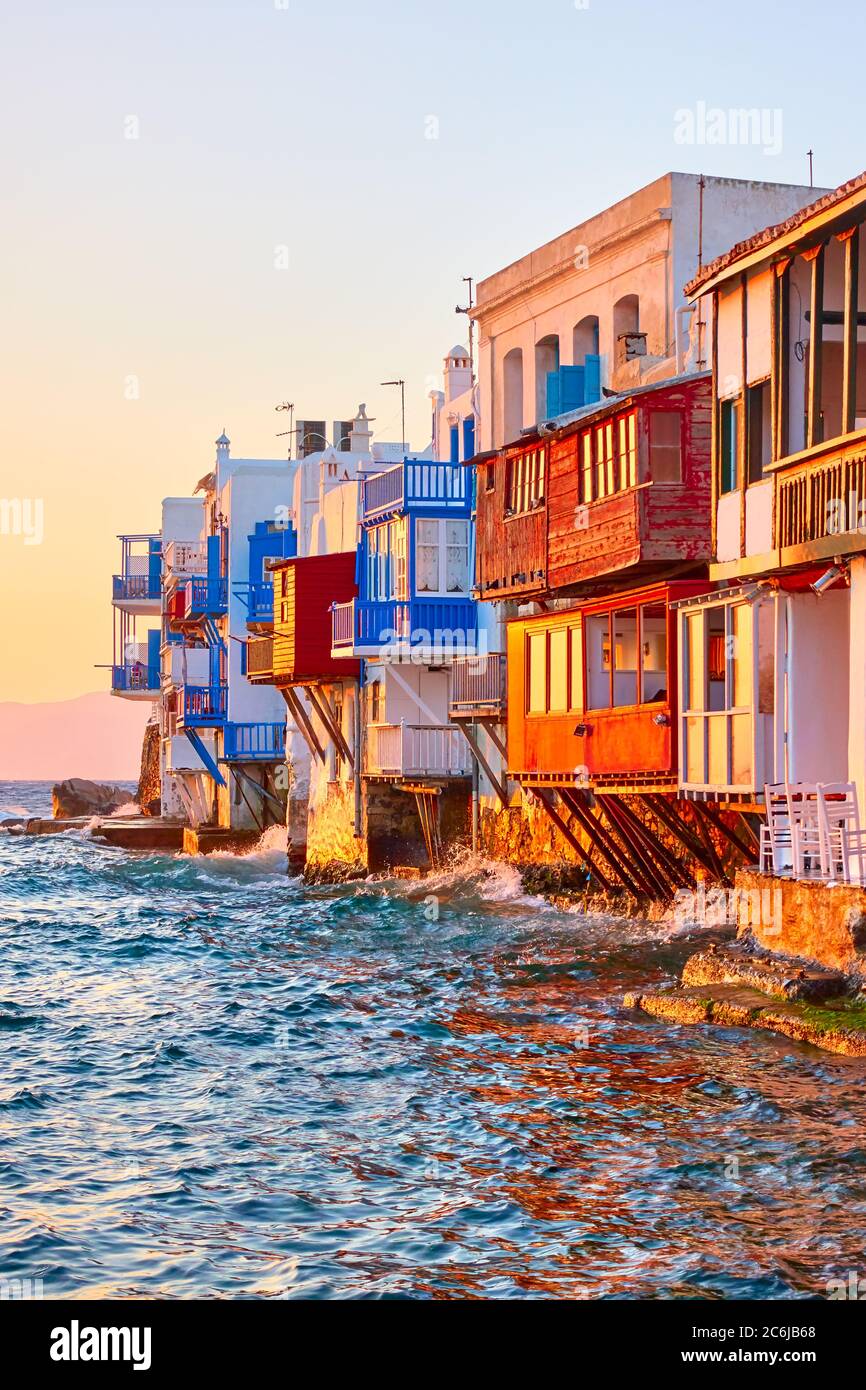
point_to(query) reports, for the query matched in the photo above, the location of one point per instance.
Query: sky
(207, 209)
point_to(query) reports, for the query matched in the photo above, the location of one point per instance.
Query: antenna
(469, 280)
(290, 407)
(401, 383)
(810, 153)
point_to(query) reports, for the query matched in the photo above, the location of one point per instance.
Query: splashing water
(215, 1081)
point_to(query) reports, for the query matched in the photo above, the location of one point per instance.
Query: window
(586, 466)
(397, 542)
(604, 475)
(441, 556)
(666, 446)
(374, 702)
(760, 431)
(730, 429)
(626, 657)
(554, 672)
(526, 481)
(628, 450)
(489, 477)
(536, 658)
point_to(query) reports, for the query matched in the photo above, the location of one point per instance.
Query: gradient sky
(304, 126)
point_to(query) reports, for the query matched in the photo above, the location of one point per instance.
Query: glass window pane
(427, 556)
(576, 667)
(766, 638)
(536, 686)
(597, 637)
(741, 750)
(694, 630)
(665, 446)
(717, 733)
(741, 657)
(654, 653)
(694, 760)
(559, 670)
(457, 557)
(716, 653)
(625, 657)
(587, 467)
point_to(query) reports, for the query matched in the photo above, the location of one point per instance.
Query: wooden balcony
(254, 742)
(183, 559)
(416, 750)
(260, 660)
(396, 629)
(821, 501)
(417, 485)
(201, 706)
(306, 591)
(478, 687)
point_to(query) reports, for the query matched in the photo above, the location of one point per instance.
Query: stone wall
(809, 920)
(149, 793)
(391, 835)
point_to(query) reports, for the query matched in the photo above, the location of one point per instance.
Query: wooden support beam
(238, 776)
(498, 787)
(678, 828)
(672, 866)
(649, 869)
(715, 819)
(851, 243)
(703, 824)
(604, 844)
(569, 836)
(428, 814)
(816, 345)
(753, 839)
(301, 718)
(489, 727)
(326, 714)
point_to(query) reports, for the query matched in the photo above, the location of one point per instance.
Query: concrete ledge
(145, 834)
(836, 1025)
(810, 920)
(209, 839)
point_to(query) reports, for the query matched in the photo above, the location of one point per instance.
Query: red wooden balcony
(304, 591)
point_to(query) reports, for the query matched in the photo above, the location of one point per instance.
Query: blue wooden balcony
(258, 599)
(439, 628)
(261, 742)
(205, 598)
(136, 680)
(439, 488)
(126, 588)
(201, 706)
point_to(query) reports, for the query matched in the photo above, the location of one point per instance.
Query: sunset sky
(258, 126)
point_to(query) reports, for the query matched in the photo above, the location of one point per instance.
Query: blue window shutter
(455, 444)
(468, 438)
(571, 388)
(592, 378)
(553, 394)
(213, 558)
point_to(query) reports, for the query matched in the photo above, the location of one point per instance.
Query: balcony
(201, 706)
(416, 750)
(258, 599)
(437, 486)
(260, 660)
(184, 665)
(204, 598)
(820, 501)
(135, 681)
(138, 587)
(182, 559)
(135, 588)
(262, 742)
(421, 629)
(478, 688)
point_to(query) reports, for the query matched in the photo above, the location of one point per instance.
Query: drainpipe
(679, 332)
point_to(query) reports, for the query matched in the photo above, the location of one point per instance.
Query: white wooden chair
(776, 848)
(808, 856)
(843, 838)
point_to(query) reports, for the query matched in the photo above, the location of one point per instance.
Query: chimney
(360, 435)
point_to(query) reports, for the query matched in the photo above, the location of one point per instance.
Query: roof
(779, 232)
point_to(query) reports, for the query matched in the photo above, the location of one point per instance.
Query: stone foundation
(149, 793)
(808, 920)
(390, 837)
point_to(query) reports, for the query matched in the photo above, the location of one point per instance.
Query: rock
(148, 795)
(79, 797)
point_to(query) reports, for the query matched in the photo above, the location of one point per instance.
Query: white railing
(415, 750)
(478, 681)
(383, 489)
(343, 624)
(185, 557)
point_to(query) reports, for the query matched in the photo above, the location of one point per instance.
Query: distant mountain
(96, 736)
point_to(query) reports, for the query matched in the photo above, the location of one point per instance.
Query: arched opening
(512, 388)
(585, 339)
(628, 341)
(546, 360)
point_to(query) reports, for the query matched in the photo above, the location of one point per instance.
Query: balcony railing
(478, 684)
(257, 742)
(416, 750)
(184, 558)
(413, 483)
(390, 627)
(135, 677)
(205, 597)
(260, 658)
(133, 587)
(821, 497)
(201, 706)
(258, 599)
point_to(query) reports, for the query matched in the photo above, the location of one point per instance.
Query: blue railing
(258, 599)
(206, 596)
(135, 677)
(202, 706)
(125, 587)
(251, 742)
(437, 486)
(448, 625)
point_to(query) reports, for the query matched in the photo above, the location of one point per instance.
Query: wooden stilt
(489, 727)
(669, 817)
(715, 819)
(326, 714)
(498, 787)
(605, 846)
(564, 829)
(302, 720)
(649, 869)
(703, 824)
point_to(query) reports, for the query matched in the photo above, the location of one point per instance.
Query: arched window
(512, 387)
(546, 360)
(626, 328)
(585, 338)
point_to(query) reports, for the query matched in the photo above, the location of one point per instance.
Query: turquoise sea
(217, 1082)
